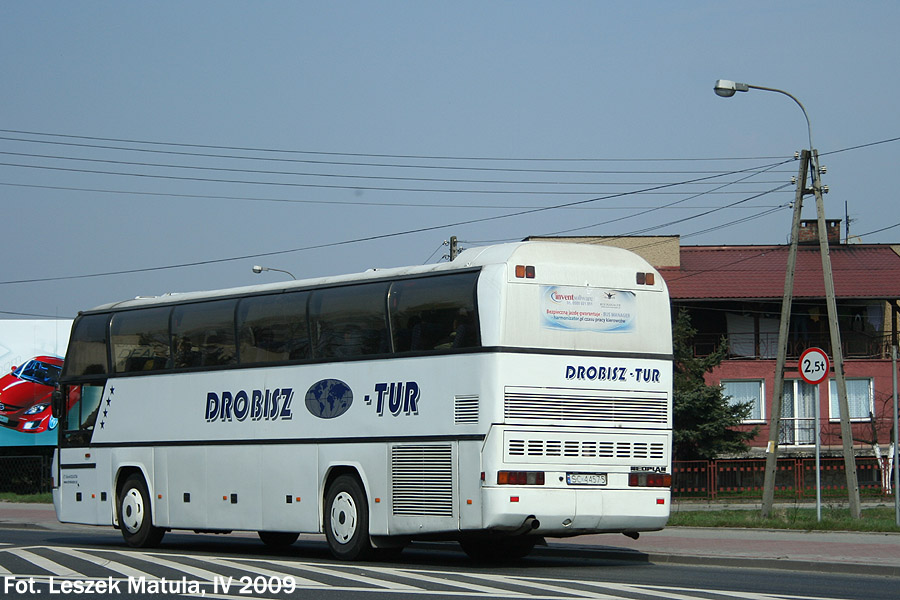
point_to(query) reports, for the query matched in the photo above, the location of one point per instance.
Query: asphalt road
(44, 563)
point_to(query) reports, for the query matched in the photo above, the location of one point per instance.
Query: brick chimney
(809, 231)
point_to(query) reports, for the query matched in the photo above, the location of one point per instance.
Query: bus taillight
(525, 271)
(649, 480)
(520, 478)
(645, 278)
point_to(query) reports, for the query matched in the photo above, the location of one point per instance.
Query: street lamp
(727, 88)
(258, 269)
(809, 163)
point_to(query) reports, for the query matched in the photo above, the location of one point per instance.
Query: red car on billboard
(25, 395)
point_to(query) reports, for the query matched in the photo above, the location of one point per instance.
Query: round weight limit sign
(814, 366)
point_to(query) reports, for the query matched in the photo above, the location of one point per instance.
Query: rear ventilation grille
(465, 410)
(422, 481)
(522, 404)
(586, 450)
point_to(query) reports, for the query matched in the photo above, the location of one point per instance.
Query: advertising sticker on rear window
(588, 309)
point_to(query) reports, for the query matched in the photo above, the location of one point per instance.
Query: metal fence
(25, 474)
(795, 478)
(721, 479)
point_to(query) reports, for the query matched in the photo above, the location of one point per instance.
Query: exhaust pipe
(530, 524)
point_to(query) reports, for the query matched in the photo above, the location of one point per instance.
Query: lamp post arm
(792, 97)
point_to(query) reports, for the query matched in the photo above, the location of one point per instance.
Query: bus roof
(511, 253)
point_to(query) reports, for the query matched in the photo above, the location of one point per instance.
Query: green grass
(27, 498)
(833, 519)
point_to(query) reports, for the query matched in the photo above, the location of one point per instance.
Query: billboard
(31, 354)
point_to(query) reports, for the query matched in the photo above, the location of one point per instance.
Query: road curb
(748, 562)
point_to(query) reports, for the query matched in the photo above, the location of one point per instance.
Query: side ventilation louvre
(465, 410)
(422, 481)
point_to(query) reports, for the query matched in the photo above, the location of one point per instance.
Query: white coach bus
(518, 392)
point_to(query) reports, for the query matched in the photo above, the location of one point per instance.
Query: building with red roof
(735, 293)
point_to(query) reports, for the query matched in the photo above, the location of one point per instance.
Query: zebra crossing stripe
(381, 583)
(44, 563)
(300, 581)
(106, 563)
(195, 572)
(467, 585)
(546, 587)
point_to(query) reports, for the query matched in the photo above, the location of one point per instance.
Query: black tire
(136, 516)
(498, 550)
(347, 519)
(278, 539)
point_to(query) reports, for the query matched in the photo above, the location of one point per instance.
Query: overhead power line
(341, 175)
(361, 154)
(345, 242)
(371, 164)
(290, 184)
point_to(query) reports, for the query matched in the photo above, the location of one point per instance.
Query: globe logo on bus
(329, 398)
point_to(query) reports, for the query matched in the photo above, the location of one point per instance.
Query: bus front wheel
(135, 516)
(347, 519)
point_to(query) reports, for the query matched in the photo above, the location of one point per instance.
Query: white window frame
(834, 414)
(795, 400)
(761, 399)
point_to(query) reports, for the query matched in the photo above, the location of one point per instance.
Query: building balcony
(764, 346)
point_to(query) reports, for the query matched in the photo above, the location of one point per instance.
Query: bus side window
(434, 313)
(273, 328)
(140, 340)
(203, 334)
(349, 321)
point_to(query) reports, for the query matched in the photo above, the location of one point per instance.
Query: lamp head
(726, 88)
(258, 269)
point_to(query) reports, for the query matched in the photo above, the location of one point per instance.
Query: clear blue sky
(381, 117)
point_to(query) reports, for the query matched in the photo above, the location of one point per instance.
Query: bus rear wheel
(347, 519)
(135, 515)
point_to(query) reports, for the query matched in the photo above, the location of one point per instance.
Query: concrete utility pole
(778, 393)
(837, 355)
(454, 248)
(809, 164)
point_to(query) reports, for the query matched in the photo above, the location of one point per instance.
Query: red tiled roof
(859, 271)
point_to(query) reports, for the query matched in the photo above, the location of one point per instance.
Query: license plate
(4, 419)
(586, 478)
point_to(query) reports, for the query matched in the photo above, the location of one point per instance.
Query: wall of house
(880, 372)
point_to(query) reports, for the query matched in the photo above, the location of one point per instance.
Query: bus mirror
(57, 402)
